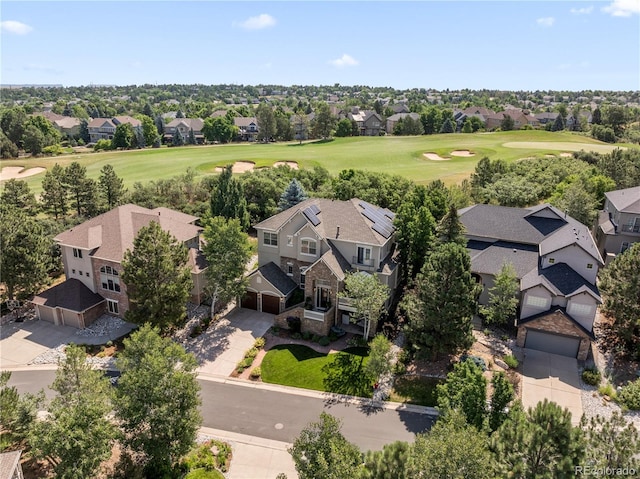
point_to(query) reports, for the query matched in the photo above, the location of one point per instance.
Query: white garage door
(552, 343)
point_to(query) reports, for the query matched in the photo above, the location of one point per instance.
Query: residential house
(10, 467)
(520, 119)
(618, 224)
(105, 128)
(184, 126)
(573, 123)
(92, 255)
(400, 108)
(67, 125)
(556, 262)
(393, 120)
(547, 117)
(247, 128)
(311, 247)
(369, 122)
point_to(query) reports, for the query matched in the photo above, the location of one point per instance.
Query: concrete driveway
(552, 377)
(220, 348)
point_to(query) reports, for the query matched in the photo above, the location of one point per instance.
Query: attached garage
(250, 300)
(46, 314)
(552, 343)
(270, 304)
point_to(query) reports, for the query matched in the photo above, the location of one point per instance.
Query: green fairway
(299, 366)
(390, 154)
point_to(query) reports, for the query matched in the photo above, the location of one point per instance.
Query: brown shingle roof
(71, 294)
(9, 463)
(113, 233)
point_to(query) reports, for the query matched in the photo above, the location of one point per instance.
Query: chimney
(337, 231)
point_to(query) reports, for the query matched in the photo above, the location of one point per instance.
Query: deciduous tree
(321, 451)
(367, 296)
(123, 136)
(157, 278)
(78, 435)
(503, 302)
(227, 251)
(17, 412)
(501, 397)
(323, 122)
(380, 357)
(266, 122)
(227, 198)
(465, 390)
(157, 399)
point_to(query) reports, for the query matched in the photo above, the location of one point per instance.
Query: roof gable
(626, 200)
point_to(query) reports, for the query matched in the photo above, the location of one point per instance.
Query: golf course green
(401, 155)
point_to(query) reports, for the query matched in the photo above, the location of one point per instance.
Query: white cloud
(582, 11)
(344, 61)
(622, 8)
(15, 27)
(546, 22)
(263, 20)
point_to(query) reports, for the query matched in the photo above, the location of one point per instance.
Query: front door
(323, 297)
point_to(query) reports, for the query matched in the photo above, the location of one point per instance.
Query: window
(536, 301)
(589, 265)
(308, 246)
(624, 247)
(109, 278)
(289, 269)
(87, 274)
(112, 306)
(303, 272)
(73, 271)
(270, 239)
(552, 260)
(364, 256)
(77, 253)
(80, 273)
(578, 309)
(289, 240)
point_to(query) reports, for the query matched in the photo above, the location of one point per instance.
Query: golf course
(449, 157)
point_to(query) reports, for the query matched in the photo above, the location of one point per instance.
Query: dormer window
(308, 246)
(552, 260)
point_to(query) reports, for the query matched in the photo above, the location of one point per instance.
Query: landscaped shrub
(591, 376)
(307, 336)
(608, 390)
(259, 343)
(511, 361)
(296, 336)
(629, 395)
(251, 353)
(324, 341)
(202, 457)
(315, 338)
(333, 337)
(256, 372)
(294, 324)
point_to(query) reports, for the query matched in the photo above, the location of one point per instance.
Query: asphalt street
(278, 415)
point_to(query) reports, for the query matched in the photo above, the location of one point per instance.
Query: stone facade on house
(557, 323)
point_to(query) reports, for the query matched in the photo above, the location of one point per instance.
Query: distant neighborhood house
(556, 262)
(618, 225)
(92, 255)
(184, 126)
(105, 128)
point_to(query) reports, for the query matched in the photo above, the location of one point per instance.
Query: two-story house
(92, 255)
(312, 246)
(184, 126)
(556, 262)
(247, 128)
(105, 128)
(618, 224)
(369, 122)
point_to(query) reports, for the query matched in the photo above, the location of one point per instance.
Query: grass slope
(390, 154)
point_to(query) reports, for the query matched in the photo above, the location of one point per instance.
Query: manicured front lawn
(416, 390)
(299, 366)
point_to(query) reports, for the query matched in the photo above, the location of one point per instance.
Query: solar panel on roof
(315, 209)
(311, 216)
(383, 231)
(382, 218)
(389, 214)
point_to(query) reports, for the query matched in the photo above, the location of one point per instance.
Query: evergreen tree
(111, 186)
(440, 309)
(179, 114)
(227, 198)
(84, 131)
(414, 234)
(78, 434)
(17, 193)
(157, 278)
(178, 138)
(612, 443)
(54, 192)
(147, 110)
(321, 451)
(323, 122)
(541, 444)
(503, 302)
(596, 117)
(293, 195)
(157, 399)
(266, 122)
(450, 229)
(507, 123)
(390, 463)
(558, 124)
(192, 137)
(83, 190)
(448, 126)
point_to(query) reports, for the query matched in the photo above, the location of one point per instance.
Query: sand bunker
(239, 167)
(434, 157)
(291, 164)
(562, 145)
(465, 153)
(16, 172)
(566, 155)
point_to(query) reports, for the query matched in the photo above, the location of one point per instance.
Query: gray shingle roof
(347, 215)
(71, 294)
(277, 278)
(559, 279)
(625, 201)
(488, 258)
(335, 262)
(112, 233)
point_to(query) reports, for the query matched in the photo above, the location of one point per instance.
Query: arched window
(109, 278)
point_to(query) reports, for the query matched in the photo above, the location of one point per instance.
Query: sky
(505, 45)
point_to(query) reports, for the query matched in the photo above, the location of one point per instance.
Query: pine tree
(111, 186)
(293, 195)
(178, 138)
(18, 194)
(390, 463)
(447, 126)
(503, 302)
(450, 229)
(54, 193)
(157, 278)
(192, 137)
(83, 190)
(558, 124)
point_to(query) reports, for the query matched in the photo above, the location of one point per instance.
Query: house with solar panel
(310, 248)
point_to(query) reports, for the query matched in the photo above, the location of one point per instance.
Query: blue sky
(509, 45)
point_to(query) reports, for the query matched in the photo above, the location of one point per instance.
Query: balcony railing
(631, 228)
(362, 263)
(318, 315)
(346, 304)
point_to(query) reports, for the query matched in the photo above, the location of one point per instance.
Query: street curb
(329, 397)
(244, 439)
